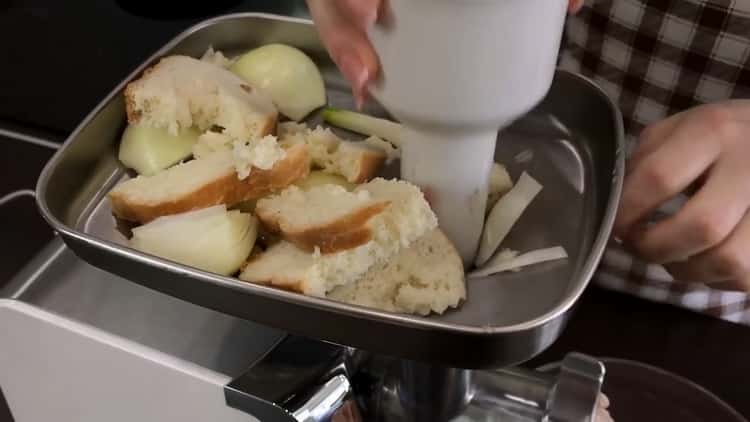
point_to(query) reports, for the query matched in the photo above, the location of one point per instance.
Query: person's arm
(707, 150)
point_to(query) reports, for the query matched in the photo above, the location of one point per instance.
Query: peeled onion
(509, 262)
(504, 215)
(365, 124)
(318, 178)
(287, 75)
(211, 239)
(500, 184)
(148, 150)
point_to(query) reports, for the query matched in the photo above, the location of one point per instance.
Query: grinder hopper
(487, 63)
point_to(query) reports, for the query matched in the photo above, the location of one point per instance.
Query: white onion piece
(149, 150)
(500, 181)
(503, 262)
(287, 75)
(504, 214)
(500, 184)
(211, 239)
(365, 125)
(319, 177)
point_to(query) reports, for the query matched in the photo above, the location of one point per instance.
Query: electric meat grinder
(497, 64)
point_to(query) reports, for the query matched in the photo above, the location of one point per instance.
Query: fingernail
(357, 75)
(359, 101)
(353, 69)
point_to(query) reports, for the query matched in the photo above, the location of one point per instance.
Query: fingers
(727, 265)
(601, 412)
(662, 174)
(574, 6)
(363, 13)
(652, 137)
(704, 222)
(342, 25)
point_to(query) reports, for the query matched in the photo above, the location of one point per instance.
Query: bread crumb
(262, 153)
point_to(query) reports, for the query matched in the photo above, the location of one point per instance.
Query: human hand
(601, 414)
(343, 25)
(706, 150)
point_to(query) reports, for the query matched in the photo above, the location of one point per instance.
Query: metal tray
(574, 140)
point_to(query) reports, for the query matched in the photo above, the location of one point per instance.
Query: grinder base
(306, 380)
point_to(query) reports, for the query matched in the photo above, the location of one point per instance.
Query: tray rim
(428, 323)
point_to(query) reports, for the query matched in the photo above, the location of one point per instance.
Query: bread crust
(130, 109)
(277, 280)
(369, 164)
(345, 233)
(226, 190)
(328, 242)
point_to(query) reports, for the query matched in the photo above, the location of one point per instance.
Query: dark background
(58, 59)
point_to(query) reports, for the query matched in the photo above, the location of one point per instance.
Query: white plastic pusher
(455, 72)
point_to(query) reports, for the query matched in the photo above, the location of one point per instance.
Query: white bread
(261, 154)
(327, 217)
(405, 220)
(201, 183)
(357, 162)
(287, 267)
(180, 92)
(426, 277)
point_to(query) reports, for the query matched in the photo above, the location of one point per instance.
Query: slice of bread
(180, 92)
(405, 220)
(201, 183)
(327, 217)
(357, 162)
(287, 267)
(332, 219)
(426, 277)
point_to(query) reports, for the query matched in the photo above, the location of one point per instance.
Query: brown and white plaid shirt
(656, 58)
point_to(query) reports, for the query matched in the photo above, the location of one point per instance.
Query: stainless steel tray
(574, 139)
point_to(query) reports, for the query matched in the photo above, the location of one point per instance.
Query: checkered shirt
(656, 58)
